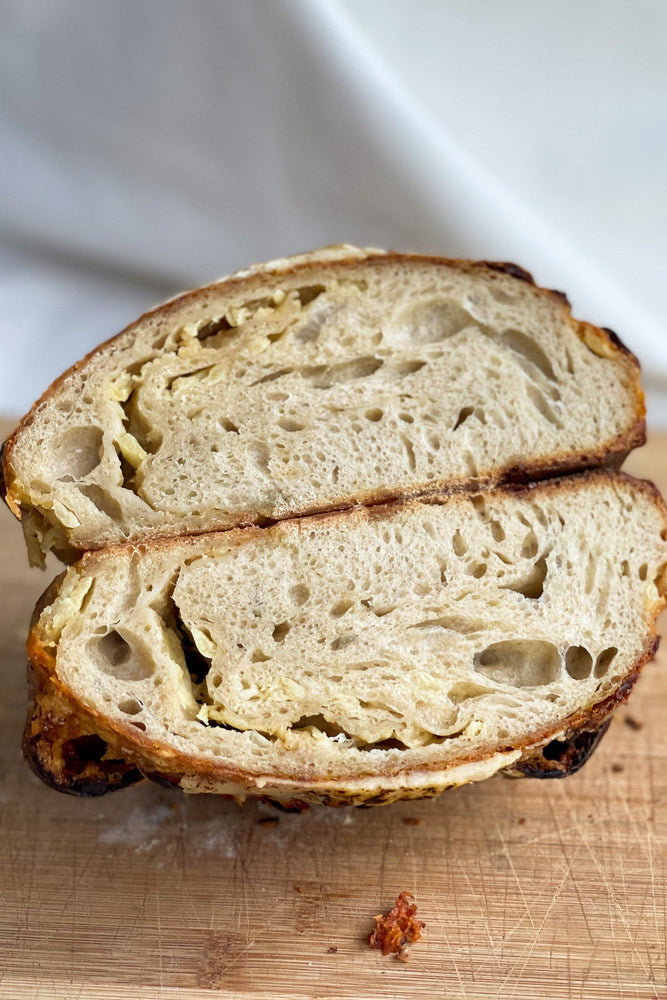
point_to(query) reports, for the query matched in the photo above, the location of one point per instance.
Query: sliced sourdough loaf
(303, 385)
(366, 655)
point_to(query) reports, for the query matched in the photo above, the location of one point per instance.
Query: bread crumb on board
(395, 932)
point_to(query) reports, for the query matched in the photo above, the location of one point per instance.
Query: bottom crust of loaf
(63, 749)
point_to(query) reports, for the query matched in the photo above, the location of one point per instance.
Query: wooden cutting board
(551, 889)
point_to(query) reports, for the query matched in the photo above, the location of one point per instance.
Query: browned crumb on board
(395, 932)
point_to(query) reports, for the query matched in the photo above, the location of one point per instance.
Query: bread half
(319, 382)
(367, 655)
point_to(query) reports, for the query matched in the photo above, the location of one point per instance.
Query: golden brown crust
(610, 453)
(172, 767)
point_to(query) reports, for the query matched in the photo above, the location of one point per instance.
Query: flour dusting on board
(148, 827)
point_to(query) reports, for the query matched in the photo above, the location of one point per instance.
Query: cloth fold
(149, 145)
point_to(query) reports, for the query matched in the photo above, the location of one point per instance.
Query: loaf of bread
(364, 655)
(315, 383)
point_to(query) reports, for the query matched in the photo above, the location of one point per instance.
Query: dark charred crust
(62, 751)
(513, 270)
(566, 754)
(165, 780)
(616, 340)
(560, 758)
(72, 773)
(562, 296)
(90, 784)
(290, 805)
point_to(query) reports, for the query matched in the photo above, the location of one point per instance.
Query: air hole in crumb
(323, 725)
(578, 662)
(430, 321)
(529, 546)
(531, 585)
(373, 415)
(309, 293)
(519, 662)
(290, 425)
(103, 501)
(643, 571)
(542, 406)
(346, 371)
(529, 350)
(497, 531)
(299, 593)
(343, 641)
(114, 649)
(465, 690)
(604, 661)
(209, 328)
(464, 413)
(139, 725)
(131, 706)
(590, 573)
(115, 658)
(478, 570)
(77, 452)
(459, 546)
(341, 607)
(228, 425)
(269, 377)
(259, 656)
(403, 368)
(280, 631)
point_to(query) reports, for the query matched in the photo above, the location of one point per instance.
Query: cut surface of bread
(369, 654)
(340, 377)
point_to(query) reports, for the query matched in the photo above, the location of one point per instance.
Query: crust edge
(554, 753)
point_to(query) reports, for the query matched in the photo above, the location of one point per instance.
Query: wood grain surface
(552, 889)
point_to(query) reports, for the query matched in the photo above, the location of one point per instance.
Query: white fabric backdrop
(151, 144)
